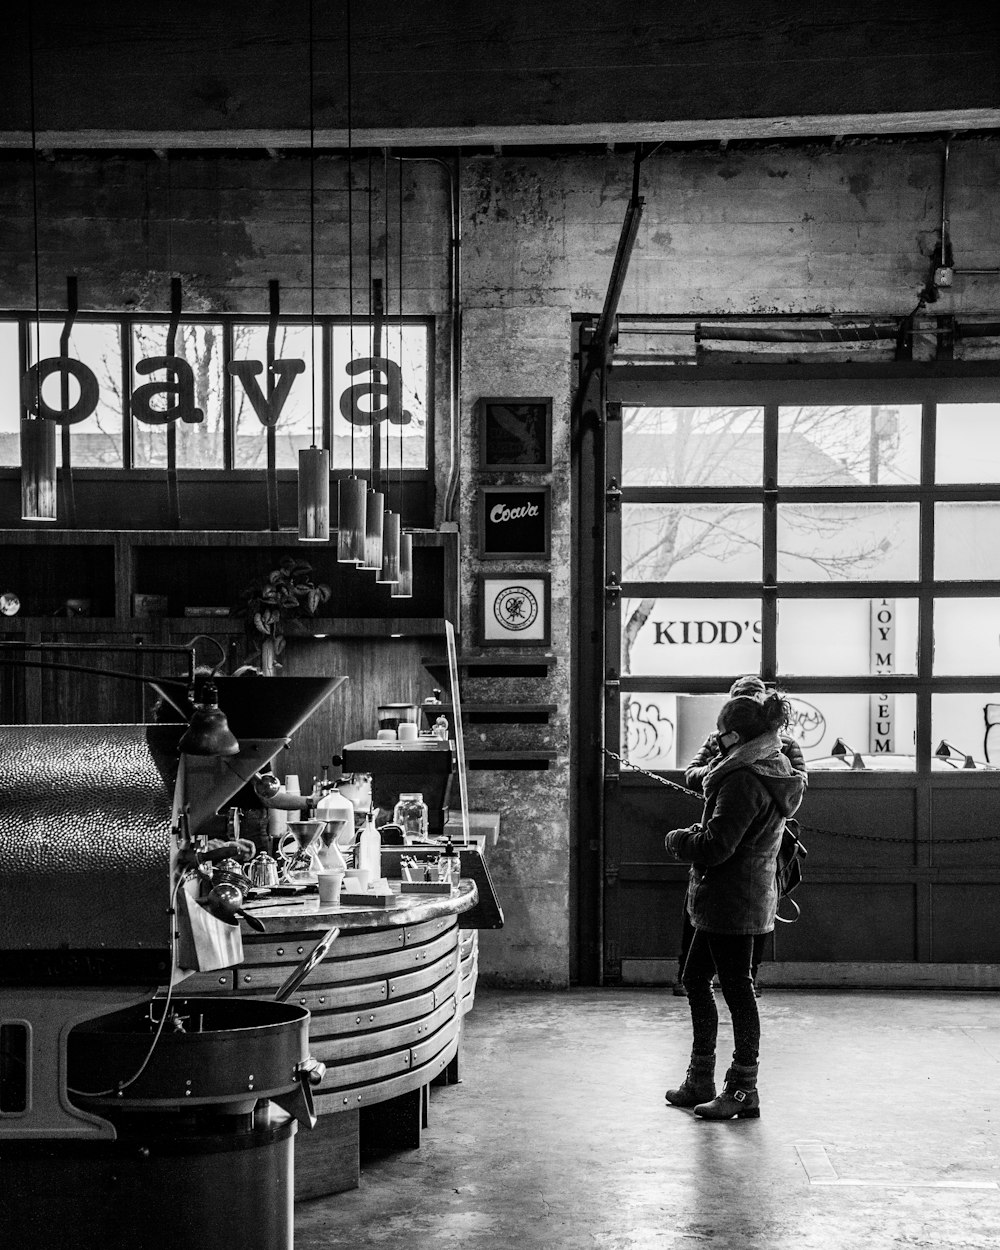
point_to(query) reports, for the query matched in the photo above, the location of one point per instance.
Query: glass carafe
(410, 813)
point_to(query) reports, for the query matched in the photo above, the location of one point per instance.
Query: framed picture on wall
(515, 435)
(514, 609)
(515, 522)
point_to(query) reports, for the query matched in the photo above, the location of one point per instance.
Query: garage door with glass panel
(840, 538)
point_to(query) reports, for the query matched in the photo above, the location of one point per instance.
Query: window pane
(968, 443)
(10, 388)
(966, 637)
(847, 637)
(966, 541)
(965, 724)
(97, 441)
(295, 424)
(663, 731)
(649, 729)
(691, 637)
(407, 347)
(849, 445)
(200, 444)
(692, 446)
(878, 728)
(848, 542)
(691, 542)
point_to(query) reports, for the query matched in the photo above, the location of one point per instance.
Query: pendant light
(39, 498)
(389, 572)
(403, 589)
(351, 501)
(351, 520)
(314, 462)
(374, 528)
(38, 470)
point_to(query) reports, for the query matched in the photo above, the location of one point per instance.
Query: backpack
(788, 867)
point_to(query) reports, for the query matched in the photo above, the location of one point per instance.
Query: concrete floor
(878, 1128)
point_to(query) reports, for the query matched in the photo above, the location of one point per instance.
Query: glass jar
(410, 813)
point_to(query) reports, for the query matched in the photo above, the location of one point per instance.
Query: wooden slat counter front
(386, 1008)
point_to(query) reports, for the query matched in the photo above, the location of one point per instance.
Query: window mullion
(769, 547)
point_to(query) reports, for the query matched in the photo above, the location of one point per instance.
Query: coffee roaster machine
(131, 1115)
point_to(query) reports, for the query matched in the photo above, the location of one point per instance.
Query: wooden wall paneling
(381, 670)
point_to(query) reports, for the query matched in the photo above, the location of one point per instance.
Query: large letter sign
(182, 390)
(31, 390)
(267, 408)
(391, 388)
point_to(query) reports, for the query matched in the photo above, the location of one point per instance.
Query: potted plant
(287, 592)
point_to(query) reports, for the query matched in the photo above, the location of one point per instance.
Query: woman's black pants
(729, 955)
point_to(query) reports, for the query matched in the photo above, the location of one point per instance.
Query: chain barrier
(829, 833)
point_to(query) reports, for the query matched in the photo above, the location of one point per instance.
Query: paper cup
(407, 732)
(357, 878)
(329, 887)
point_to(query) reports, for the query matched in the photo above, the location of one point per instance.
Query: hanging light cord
(399, 311)
(371, 318)
(34, 203)
(312, 224)
(350, 210)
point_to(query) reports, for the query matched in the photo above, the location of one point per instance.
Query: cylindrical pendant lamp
(351, 518)
(403, 589)
(389, 572)
(38, 470)
(314, 495)
(374, 507)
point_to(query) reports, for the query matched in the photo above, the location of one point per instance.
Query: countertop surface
(308, 913)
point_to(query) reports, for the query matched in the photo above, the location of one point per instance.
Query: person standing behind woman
(694, 775)
(732, 896)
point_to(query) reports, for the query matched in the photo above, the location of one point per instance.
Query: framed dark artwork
(515, 434)
(515, 610)
(515, 522)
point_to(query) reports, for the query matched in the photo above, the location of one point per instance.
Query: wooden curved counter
(386, 1006)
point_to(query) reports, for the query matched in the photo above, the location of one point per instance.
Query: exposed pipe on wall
(455, 310)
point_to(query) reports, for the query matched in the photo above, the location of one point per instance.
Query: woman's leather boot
(739, 1097)
(698, 1085)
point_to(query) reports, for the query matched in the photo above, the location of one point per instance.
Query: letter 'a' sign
(514, 522)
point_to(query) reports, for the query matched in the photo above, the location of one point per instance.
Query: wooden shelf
(521, 665)
(328, 627)
(523, 760)
(498, 713)
(45, 567)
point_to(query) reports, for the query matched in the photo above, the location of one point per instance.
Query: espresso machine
(132, 1115)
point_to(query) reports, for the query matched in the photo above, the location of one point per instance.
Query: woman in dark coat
(732, 896)
(694, 776)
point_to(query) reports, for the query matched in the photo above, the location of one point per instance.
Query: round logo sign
(515, 608)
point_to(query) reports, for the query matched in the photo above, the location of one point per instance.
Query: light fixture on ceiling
(314, 462)
(39, 494)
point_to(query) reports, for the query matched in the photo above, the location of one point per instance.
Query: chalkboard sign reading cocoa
(514, 521)
(515, 434)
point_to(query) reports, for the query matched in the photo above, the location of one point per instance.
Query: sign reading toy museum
(514, 522)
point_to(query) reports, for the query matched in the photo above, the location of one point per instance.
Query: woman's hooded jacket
(732, 852)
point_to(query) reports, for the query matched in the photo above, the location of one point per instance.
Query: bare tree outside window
(720, 447)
